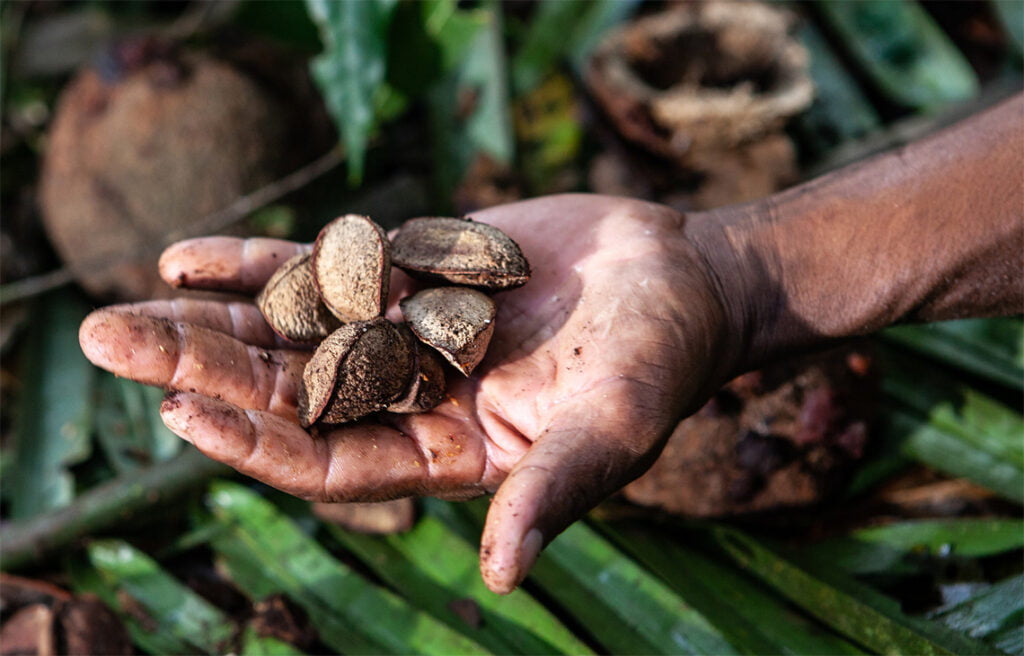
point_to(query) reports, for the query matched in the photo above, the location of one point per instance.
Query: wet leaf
(544, 43)
(847, 606)
(350, 71)
(992, 612)
(128, 425)
(952, 427)
(158, 603)
(626, 608)
(143, 629)
(750, 617)
(254, 644)
(896, 548)
(53, 427)
(435, 35)
(992, 348)
(267, 549)
(435, 568)
(947, 451)
(903, 51)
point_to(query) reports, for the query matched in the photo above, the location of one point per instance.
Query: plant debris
(705, 88)
(779, 437)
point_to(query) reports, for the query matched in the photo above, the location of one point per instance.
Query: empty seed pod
(360, 368)
(427, 387)
(459, 251)
(290, 302)
(456, 321)
(352, 266)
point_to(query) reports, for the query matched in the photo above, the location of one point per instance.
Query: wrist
(742, 270)
(932, 231)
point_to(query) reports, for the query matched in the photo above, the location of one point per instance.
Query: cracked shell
(291, 304)
(360, 368)
(427, 387)
(352, 266)
(461, 252)
(456, 321)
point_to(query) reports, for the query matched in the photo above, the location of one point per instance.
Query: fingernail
(169, 413)
(528, 552)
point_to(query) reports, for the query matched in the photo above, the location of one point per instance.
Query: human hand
(618, 335)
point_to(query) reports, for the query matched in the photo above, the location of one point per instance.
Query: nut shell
(427, 387)
(352, 266)
(461, 252)
(456, 321)
(360, 368)
(291, 304)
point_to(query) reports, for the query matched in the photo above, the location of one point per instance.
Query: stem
(29, 541)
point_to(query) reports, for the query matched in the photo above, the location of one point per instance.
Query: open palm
(615, 338)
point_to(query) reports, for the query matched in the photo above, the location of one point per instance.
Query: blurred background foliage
(441, 107)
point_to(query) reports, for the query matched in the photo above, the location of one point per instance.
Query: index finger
(225, 263)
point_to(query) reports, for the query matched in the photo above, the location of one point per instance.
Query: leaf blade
(173, 607)
(433, 567)
(750, 617)
(54, 423)
(627, 609)
(342, 604)
(849, 607)
(350, 71)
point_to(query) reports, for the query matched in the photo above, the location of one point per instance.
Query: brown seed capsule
(427, 387)
(459, 251)
(456, 321)
(360, 368)
(290, 302)
(352, 266)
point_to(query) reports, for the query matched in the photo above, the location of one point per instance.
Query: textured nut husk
(427, 387)
(129, 160)
(459, 251)
(456, 321)
(360, 368)
(352, 266)
(291, 304)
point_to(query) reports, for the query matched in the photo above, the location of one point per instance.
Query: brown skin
(635, 314)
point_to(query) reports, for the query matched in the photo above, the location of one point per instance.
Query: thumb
(566, 472)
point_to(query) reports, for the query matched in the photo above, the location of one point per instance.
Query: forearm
(931, 231)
